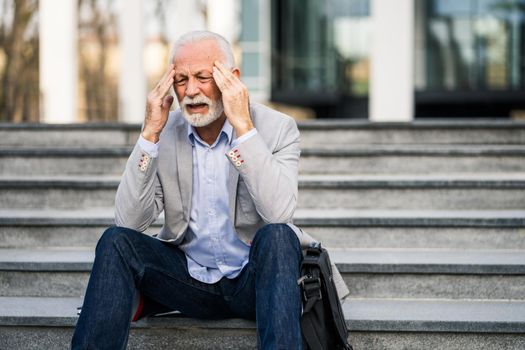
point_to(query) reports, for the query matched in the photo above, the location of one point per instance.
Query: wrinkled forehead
(196, 56)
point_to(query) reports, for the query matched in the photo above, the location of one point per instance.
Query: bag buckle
(308, 284)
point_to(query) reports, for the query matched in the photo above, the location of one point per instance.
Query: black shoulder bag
(322, 323)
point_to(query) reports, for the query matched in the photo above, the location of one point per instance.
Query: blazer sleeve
(271, 175)
(139, 199)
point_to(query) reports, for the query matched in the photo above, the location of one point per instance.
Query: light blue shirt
(211, 245)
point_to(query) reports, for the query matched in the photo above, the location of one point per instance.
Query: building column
(223, 18)
(132, 80)
(187, 16)
(58, 60)
(392, 61)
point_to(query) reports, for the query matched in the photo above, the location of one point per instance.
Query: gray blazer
(262, 182)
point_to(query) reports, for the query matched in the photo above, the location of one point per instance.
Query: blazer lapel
(232, 185)
(185, 167)
(232, 190)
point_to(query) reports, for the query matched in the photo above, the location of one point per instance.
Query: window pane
(470, 45)
(250, 17)
(250, 64)
(322, 46)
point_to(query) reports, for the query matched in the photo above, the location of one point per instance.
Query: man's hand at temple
(158, 107)
(235, 98)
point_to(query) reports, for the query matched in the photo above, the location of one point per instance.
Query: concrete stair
(379, 273)
(341, 159)
(426, 222)
(480, 191)
(330, 134)
(399, 324)
(473, 229)
(326, 134)
(412, 159)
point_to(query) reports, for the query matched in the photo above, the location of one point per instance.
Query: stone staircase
(426, 222)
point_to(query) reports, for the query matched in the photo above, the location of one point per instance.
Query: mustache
(196, 100)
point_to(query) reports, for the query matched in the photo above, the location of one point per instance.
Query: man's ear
(237, 72)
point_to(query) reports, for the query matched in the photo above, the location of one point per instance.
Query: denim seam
(188, 283)
(140, 273)
(143, 265)
(249, 269)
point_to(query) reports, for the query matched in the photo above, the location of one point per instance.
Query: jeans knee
(277, 237)
(276, 251)
(111, 236)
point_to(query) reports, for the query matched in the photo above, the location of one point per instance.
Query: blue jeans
(128, 262)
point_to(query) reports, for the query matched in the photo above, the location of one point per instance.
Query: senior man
(224, 171)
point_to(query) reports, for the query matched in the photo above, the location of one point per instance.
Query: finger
(165, 77)
(168, 81)
(228, 75)
(170, 69)
(168, 77)
(219, 79)
(167, 102)
(164, 86)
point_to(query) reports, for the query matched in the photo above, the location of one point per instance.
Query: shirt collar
(227, 130)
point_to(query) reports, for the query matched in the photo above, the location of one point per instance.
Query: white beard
(215, 109)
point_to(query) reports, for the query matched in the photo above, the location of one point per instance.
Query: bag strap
(311, 286)
(310, 283)
(334, 302)
(310, 332)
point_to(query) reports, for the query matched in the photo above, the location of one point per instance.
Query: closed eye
(204, 79)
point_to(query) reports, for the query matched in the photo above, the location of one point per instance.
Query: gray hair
(202, 35)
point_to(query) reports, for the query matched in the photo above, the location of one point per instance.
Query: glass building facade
(468, 56)
(321, 55)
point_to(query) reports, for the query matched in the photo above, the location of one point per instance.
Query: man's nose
(192, 88)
